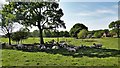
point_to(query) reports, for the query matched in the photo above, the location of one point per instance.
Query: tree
(20, 35)
(44, 15)
(54, 33)
(82, 34)
(76, 29)
(47, 33)
(64, 34)
(7, 21)
(35, 33)
(98, 34)
(112, 32)
(116, 26)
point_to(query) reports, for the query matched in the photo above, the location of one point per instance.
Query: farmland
(21, 58)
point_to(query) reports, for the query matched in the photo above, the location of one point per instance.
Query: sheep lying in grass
(96, 45)
(20, 46)
(71, 49)
(55, 47)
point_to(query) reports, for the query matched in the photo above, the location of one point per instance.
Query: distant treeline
(50, 33)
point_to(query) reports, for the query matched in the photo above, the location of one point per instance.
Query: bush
(82, 34)
(98, 34)
(19, 35)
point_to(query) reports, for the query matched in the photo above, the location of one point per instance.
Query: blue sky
(89, 0)
(95, 15)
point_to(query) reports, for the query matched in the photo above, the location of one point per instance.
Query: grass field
(111, 43)
(20, 58)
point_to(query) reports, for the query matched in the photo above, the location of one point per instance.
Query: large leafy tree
(44, 15)
(7, 20)
(115, 25)
(76, 29)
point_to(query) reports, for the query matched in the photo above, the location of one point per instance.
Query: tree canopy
(115, 25)
(44, 15)
(7, 20)
(76, 29)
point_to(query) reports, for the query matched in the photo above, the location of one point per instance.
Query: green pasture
(111, 43)
(21, 58)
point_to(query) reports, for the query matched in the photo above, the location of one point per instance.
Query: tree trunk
(40, 32)
(41, 36)
(9, 38)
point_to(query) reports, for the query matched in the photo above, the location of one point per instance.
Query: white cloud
(2, 1)
(97, 12)
(105, 11)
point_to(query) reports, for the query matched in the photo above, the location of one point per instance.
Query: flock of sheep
(51, 45)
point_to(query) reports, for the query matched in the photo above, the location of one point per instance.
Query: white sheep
(43, 47)
(20, 46)
(55, 47)
(71, 49)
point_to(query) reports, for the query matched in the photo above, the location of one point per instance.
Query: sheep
(97, 45)
(42, 47)
(29, 47)
(82, 46)
(48, 48)
(92, 46)
(38, 46)
(55, 47)
(76, 48)
(71, 49)
(49, 45)
(20, 46)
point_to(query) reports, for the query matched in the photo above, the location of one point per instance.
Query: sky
(95, 14)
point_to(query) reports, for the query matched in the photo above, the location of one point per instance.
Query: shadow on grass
(89, 52)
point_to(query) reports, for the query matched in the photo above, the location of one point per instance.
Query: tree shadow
(89, 52)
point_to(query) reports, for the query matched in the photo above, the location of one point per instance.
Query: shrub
(82, 34)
